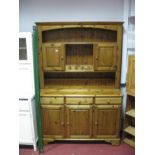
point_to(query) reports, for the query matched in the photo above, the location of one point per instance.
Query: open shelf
(130, 130)
(129, 142)
(79, 35)
(79, 79)
(131, 113)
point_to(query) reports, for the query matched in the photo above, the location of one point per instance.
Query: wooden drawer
(108, 100)
(52, 100)
(79, 100)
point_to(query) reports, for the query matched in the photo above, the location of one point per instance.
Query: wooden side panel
(106, 121)
(53, 57)
(119, 56)
(132, 78)
(79, 121)
(131, 74)
(53, 120)
(40, 57)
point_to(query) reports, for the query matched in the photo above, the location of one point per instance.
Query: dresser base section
(113, 141)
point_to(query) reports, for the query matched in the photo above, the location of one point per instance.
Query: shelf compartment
(129, 142)
(131, 113)
(130, 130)
(80, 80)
(79, 54)
(79, 35)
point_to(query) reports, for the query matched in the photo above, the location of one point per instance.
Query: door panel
(53, 120)
(106, 121)
(105, 57)
(53, 56)
(79, 121)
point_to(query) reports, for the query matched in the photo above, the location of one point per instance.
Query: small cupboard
(105, 56)
(79, 68)
(53, 57)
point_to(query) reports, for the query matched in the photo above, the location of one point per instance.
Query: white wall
(31, 11)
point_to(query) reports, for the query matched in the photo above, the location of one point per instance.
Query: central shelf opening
(79, 57)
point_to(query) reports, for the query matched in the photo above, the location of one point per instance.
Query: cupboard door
(79, 121)
(53, 57)
(105, 56)
(53, 120)
(106, 121)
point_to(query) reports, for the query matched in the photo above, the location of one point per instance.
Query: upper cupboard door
(53, 57)
(105, 56)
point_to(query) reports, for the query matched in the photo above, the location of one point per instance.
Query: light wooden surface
(53, 120)
(80, 92)
(129, 142)
(105, 56)
(131, 113)
(131, 74)
(53, 57)
(131, 92)
(40, 56)
(106, 120)
(79, 121)
(130, 130)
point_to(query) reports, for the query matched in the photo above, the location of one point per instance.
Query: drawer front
(79, 100)
(108, 100)
(52, 100)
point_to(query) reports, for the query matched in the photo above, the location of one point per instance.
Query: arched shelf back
(79, 34)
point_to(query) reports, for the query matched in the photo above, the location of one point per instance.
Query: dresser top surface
(80, 92)
(78, 23)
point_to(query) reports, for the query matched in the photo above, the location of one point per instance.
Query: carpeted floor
(80, 149)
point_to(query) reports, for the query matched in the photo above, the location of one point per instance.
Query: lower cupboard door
(106, 121)
(53, 121)
(79, 121)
